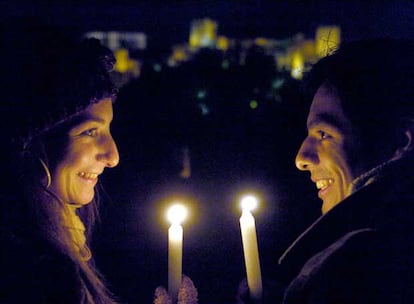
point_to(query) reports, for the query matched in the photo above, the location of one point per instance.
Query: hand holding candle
(250, 248)
(176, 214)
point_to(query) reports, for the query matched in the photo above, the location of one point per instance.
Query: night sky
(169, 21)
(131, 242)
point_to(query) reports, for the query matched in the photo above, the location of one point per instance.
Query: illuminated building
(121, 44)
(115, 40)
(203, 33)
(293, 55)
(327, 40)
(180, 53)
(124, 64)
(302, 53)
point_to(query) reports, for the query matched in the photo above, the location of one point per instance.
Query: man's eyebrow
(90, 118)
(95, 119)
(325, 118)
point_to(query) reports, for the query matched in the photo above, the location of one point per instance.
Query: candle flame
(249, 202)
(176, 214)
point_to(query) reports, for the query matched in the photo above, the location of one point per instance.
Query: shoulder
(32, 268)
(343, 248)
(359, 267)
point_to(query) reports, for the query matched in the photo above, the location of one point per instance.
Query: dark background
(233, 149)
(167, 22)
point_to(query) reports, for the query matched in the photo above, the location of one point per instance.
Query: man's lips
(323, 185)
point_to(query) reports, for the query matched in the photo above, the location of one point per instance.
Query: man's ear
(407, 145)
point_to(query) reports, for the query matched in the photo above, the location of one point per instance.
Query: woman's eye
(90, 132)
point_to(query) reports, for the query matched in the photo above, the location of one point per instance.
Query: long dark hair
(45, 211)
(51, 79)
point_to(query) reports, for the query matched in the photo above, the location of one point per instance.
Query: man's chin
(327, 206)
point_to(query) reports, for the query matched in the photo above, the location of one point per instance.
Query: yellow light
(261, 41)
(297, 65)
(249, 203)
(222, 43)
(177, 213)
(327, 40)
(122, 58)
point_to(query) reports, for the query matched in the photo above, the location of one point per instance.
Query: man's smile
(322, 184)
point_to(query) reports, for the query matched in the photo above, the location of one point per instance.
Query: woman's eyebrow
(86, 119)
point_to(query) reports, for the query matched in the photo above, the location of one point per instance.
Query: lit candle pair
(177, 213)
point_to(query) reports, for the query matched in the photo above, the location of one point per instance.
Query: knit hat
(48, 78)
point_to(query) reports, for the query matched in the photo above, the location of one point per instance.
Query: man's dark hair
(374, 80)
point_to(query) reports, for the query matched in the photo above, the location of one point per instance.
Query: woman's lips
(89, 176)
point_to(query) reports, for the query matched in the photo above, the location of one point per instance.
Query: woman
(56, 113)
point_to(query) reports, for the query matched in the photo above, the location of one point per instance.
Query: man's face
(326, 150)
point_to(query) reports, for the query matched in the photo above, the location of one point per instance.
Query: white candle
(176, 215)
(250, 248)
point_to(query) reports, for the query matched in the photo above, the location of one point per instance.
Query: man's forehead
(325, 118)
(326, 108)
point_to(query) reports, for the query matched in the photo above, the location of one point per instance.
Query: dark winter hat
(48, 78)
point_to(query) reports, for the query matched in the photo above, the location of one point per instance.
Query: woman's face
(89, 151)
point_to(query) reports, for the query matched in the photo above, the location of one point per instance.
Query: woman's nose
(306, 156)
(110, 153)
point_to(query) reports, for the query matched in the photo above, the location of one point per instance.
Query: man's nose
(306, 156)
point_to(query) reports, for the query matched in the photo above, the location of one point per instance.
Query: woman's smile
(91, 149)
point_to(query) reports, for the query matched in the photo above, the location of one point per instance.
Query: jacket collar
(358, 211)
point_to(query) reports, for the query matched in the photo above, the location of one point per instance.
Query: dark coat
(361, 251)
(34, 271)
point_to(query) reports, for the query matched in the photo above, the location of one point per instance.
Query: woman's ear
(407, 145)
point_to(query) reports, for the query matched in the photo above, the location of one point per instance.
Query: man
(359, 153)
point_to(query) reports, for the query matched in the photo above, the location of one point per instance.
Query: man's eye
(90, 132)
(323, 135)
